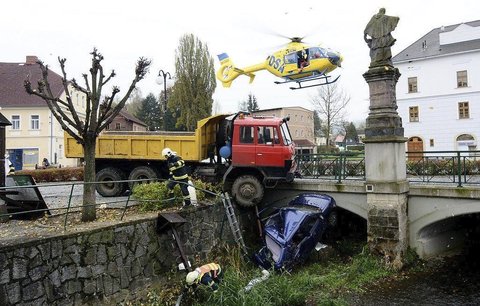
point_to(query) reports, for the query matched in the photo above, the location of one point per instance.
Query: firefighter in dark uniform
(209, 275)
(178, 172)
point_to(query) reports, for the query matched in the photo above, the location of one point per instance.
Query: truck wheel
(110, 189)
(141, 173)
(247, 190)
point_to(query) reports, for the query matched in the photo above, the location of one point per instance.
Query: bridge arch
(432, 229)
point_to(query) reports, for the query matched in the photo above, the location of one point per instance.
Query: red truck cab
(262, 152)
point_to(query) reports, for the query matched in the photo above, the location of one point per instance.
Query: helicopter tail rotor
(228, 72)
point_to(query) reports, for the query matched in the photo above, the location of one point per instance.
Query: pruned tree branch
(97, 115)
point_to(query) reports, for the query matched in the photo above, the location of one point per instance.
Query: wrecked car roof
(292, 218)
(319, 201)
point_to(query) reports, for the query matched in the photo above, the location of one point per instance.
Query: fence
(339, 166)
(69, 198)
(457, 167)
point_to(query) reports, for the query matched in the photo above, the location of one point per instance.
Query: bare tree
(242, 106)
(134, 102)
(330, 103)
(99, 113)
(216, 107)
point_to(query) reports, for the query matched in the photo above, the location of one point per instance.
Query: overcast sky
(247, 30)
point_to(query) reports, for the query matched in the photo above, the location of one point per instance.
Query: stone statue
(379, 28)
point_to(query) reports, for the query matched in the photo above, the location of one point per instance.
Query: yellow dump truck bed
(191, 146)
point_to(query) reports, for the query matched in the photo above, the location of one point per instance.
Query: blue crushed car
(293, 231)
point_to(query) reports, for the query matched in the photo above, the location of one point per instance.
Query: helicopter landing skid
(315, 76)
(324, 80)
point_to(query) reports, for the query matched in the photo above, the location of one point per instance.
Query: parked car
(293, 231)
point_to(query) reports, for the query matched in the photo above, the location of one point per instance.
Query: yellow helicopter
(297, 62)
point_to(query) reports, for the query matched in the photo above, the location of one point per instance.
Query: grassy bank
(328, 278)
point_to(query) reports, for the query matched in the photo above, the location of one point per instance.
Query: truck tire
(110, 174)
(139, 173)
(247, 190)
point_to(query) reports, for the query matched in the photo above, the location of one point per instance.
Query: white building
(438, 93)
(34, 134)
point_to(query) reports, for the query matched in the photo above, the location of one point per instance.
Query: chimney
(31, 60)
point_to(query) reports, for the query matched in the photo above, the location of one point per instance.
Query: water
(454, 282)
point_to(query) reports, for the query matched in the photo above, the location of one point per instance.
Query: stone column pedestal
(385, 168)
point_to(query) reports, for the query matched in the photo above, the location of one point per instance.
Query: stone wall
(103, 264)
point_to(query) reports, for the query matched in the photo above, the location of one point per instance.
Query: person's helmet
(192, 277)
(167, 152)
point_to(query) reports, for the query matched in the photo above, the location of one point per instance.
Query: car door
(244, 146)
(268, 150)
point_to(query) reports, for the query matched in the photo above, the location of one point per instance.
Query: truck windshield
(286, 134)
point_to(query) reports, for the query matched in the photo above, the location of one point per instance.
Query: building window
(463, 111)
(15, 122)
(30, 157)
(118, 126)
(413, 111)
(432, 143)
(412, 85)
(462, 80)
(34, 122)
(466, 142)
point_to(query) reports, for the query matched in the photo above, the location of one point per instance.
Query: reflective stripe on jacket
(210, 270)
(177, 168)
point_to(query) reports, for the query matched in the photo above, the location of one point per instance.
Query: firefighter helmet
(167, 152)
(192, 277)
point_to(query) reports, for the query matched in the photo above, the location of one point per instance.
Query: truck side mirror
(285, 119)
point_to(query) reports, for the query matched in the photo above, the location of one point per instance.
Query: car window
(267, 135)
(246, 134)
(287, 138)
(274, 248)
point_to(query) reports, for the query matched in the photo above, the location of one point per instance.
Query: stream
(454, 281)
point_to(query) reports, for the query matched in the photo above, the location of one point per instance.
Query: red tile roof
(131, 117)
(12, 92)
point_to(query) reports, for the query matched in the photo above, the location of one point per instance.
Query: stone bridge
(433, 213)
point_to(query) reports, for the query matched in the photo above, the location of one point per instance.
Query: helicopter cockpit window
(290, 58)
(316, 52)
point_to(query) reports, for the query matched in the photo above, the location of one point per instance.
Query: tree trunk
(89, 212)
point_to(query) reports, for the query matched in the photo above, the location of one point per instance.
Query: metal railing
(338, 167)
(457, 167)
(453, 167)
(65, 196)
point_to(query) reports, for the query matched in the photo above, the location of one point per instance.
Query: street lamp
(163, 74)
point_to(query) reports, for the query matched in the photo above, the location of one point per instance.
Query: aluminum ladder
(234, 226)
